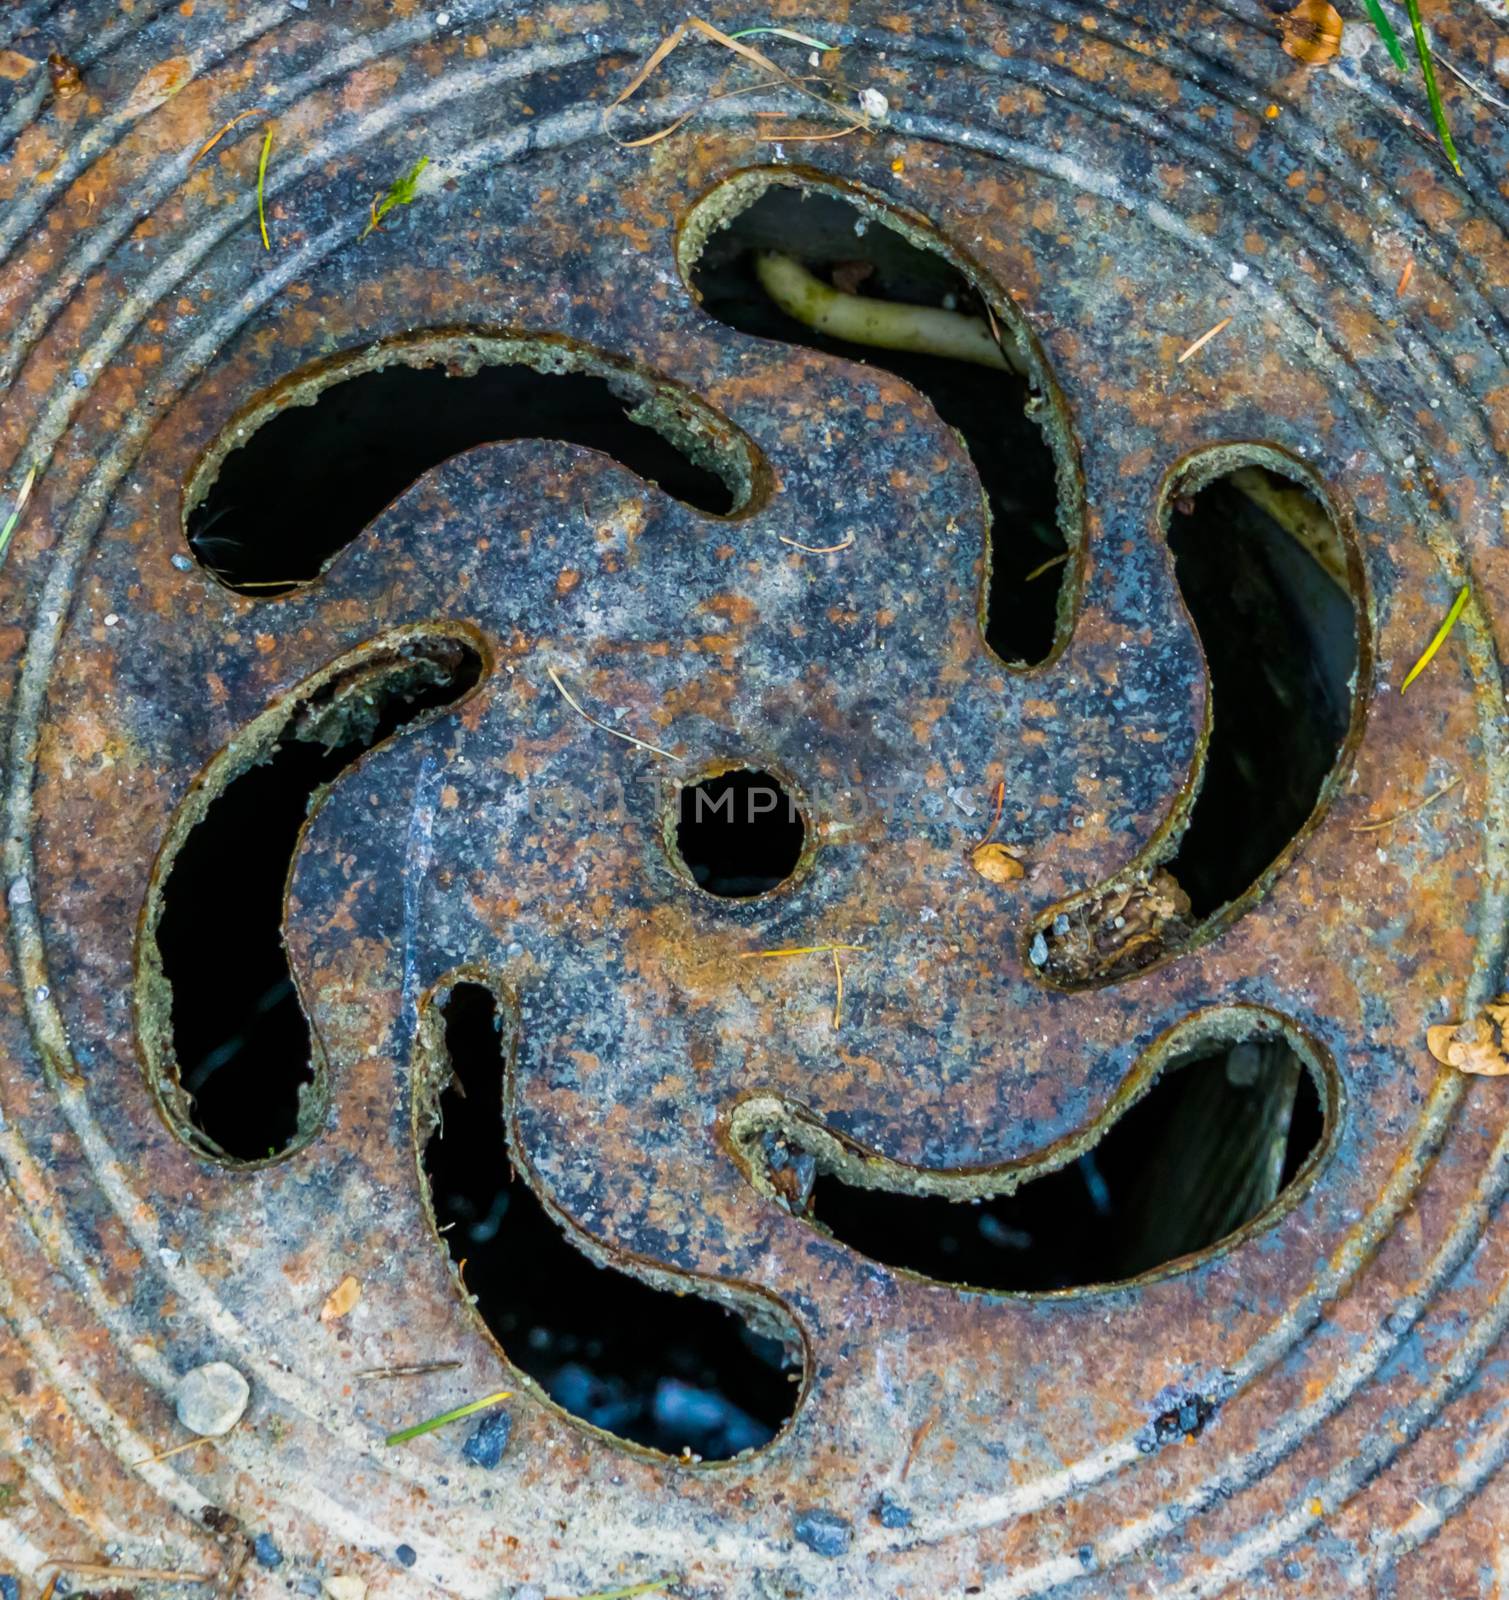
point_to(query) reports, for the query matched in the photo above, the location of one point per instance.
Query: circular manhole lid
(388, 601)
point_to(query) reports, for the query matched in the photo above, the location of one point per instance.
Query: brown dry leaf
(14, 65)
(1479, 1046)
(1311, 32)
(158, 84)
(995, 863)
(341, 1299)
(66, 81)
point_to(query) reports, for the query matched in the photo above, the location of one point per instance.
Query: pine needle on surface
(1203, 340)
(261, 187)
(431, 1423)
(1428, 654)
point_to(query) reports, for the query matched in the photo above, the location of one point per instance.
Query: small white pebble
(874, 104)
(41, 993)
(169, 1258)
(442, 19)
(1238, 271)
(19, 893)
(211, 1400)
(1355, 43)
(346, 1586)
(111, 618)
(183, 563)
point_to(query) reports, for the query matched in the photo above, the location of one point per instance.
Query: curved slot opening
(805, 264)
(1266, 579)
(673, 1372)
(230, 1054)
(302, 472)
(1228, 1134)
(739, 833)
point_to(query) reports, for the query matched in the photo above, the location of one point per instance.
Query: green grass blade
(1386, 31)
(1439, 639)
(634, 1589)
(1432, 89)
(785, 33)
(16, 510)
(261, 184)
(431, 1423)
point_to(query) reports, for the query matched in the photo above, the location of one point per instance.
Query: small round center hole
(739, 834)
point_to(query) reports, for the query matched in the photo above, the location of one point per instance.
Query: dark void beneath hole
(1280, 639)
(1210, 1147)
(239, 1036)
(739, 834)
(844, 245)
(308, 481)
(671, 1372)
(1262, 571)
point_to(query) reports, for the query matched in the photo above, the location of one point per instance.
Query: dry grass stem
(210, 143)
(1408, 811)
(1203, 340)
(697, 25)
(818, 549)
(628, 738)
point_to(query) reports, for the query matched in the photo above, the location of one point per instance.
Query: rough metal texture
(1115, 174)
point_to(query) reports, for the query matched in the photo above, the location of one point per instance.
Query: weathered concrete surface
(1116, 175)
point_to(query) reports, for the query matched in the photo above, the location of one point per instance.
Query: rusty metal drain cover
(481, 513)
